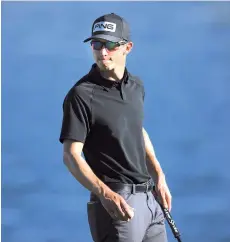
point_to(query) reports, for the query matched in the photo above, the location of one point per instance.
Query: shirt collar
(107, 84)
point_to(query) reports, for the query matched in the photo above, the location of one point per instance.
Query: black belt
(132, 188)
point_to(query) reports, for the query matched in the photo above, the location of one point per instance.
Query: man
(103, 117)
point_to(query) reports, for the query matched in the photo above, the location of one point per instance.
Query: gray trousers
(147, 225)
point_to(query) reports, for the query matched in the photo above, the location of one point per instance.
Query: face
(111, 55)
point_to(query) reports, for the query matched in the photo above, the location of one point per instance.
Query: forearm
(84, 174)
(155, 170)
(153, 165)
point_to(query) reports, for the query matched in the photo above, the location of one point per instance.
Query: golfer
(103, 118)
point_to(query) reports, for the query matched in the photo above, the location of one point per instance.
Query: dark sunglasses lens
(97, 45)
(110, 45)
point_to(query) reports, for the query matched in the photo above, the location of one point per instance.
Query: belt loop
(147, 187)
(134, 189)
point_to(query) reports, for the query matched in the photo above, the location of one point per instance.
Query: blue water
(182, 53)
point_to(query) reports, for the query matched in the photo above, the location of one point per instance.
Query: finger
(165, 204)
(129, 213)
(120, 213)
(163, 201)
(160, 198)
(169, 202)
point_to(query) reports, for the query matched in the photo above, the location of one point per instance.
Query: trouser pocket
(99, 221)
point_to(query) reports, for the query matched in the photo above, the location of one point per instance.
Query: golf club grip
(171, 223)
(169, 219)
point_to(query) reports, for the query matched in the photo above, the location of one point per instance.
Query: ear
(128, 48)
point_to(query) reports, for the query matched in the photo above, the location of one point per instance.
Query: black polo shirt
(107, 116)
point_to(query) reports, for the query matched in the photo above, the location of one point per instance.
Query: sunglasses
(109, 45)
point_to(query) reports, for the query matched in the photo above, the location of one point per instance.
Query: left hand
(163, 193)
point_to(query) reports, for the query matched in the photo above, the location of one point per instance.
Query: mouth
(105, 61)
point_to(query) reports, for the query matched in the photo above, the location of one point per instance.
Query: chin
(105, 67)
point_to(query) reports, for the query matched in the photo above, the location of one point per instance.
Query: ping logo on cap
(104, 26)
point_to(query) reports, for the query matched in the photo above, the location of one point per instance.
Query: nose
(103, 51)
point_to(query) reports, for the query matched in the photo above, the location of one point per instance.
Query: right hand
(116, 206)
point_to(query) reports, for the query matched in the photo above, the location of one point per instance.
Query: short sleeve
(76, 119)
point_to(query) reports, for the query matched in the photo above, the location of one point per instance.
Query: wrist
(102, 190)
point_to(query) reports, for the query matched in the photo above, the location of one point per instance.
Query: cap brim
(104, 37)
